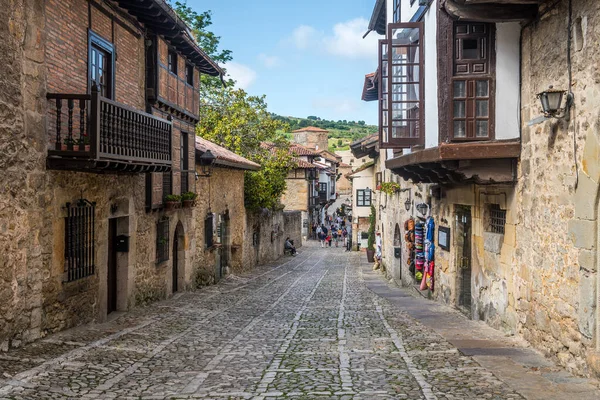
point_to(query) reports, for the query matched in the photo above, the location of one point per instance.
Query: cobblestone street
(304, 328)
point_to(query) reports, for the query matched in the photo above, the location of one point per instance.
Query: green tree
(371, 238)
(241, 123)
(339, 143)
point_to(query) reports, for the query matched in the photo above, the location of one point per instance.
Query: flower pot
(370, 255)
(76, 147)
(188, 203)
(171, 205)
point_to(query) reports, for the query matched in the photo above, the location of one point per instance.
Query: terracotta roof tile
(225, 157)
(302, 150)
(310, 129)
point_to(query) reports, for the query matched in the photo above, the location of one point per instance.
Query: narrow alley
(306, 327)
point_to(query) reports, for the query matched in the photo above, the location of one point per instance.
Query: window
(397, 9)
(184, 162)
(167, 184)
(402, 90)
(101, 64)
(378, 179)
(172, 62)
(79, 240)
(162, 240)
(363, 198)
(208, 231)
(189, 74)
(322, 187)
(497, 219)
(472, 82)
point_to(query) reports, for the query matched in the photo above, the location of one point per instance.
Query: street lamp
(207, 160)
(552, 99)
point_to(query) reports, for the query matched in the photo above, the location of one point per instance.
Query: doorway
(225, 251)
(178, 257)
(111, 282)
(463, 257)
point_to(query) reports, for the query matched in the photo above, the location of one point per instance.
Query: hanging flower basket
(390, 187)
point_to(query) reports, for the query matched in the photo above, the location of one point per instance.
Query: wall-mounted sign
(444, 238)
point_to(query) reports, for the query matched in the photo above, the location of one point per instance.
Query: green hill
(341, 133)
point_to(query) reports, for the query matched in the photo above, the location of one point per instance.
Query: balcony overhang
(455, 164)
(492, 10)
(370, 87)
(378, 19)
(367, 146)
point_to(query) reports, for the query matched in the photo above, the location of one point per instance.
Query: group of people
(335, 231)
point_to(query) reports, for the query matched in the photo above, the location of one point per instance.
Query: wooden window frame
(486, 43)
(397, 7)
(172, 66)
(95, 40)
(189, 74)
(386, 141)
(162, 240)
(184, 162)
(366, 198)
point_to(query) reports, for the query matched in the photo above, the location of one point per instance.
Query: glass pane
(405, 36)
(470, 51)
(460, 129)
(482, 89)
(460, 89)
(405, 129)
(403, 92)
(402, 111)
(482, 108)
(459, 109)
(481, 128)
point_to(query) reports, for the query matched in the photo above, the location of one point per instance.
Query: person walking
(335, 237)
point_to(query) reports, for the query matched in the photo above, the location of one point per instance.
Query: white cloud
(243, 75)
(269, 61)
(347, 40)
(344, 40)
(303, 36)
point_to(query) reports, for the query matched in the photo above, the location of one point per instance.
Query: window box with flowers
(172, 201)
(188, 199)
(389, 187)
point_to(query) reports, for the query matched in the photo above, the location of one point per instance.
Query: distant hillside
(341, 133)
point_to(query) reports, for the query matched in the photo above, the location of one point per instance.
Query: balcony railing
(90, 132)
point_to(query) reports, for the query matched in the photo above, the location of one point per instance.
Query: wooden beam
(490, 12)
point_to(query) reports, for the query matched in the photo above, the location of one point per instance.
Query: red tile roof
(300, 150)
(310, 129)
(225, 157)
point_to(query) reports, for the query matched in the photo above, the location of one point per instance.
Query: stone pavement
(304, 328)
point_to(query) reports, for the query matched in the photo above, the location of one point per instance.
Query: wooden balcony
(323, 197)
(90, 133)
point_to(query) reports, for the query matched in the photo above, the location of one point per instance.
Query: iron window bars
(208, 231)
(80, 240)
(497, 219)
(162, 240)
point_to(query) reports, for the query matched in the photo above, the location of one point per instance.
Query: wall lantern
(552, 99)
(407, 204)
(207, 160)
(423, 208)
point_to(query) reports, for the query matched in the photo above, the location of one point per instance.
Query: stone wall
(295, 197)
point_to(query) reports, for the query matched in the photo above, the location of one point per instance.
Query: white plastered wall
(507, 80)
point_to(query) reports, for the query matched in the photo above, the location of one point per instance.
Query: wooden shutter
(405, 87)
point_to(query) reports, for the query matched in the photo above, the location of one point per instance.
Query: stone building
(513, 191)
(344, 186)
(99, 100)
(362, 185)
(312, 137)
(350, 159)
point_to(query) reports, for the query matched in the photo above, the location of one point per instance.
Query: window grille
(208, 231)
(79, 240)
(162, 240)
(167, 184)
(497, 219)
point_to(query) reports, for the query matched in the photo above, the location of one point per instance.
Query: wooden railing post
(170, 119)
(95, 116)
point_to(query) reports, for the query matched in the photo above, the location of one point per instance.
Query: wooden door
(463, 257)
(111, 282)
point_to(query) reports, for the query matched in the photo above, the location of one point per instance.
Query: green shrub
(371, 238)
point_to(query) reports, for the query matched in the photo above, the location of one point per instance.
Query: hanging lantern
(206, 162)
(551, 100)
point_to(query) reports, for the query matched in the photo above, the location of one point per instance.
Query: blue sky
(307, 56)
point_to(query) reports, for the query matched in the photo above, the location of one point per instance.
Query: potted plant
(371, 238)
(188, 199)
(172, 201)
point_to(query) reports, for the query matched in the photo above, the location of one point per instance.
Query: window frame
(80, 240)
(378, 179)
(95, 40)
(366, 195)
(172, 66)
(162, 241)
(385, 139)
(470, 78)
(208, 230)
(397, 8)
(189, 74)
